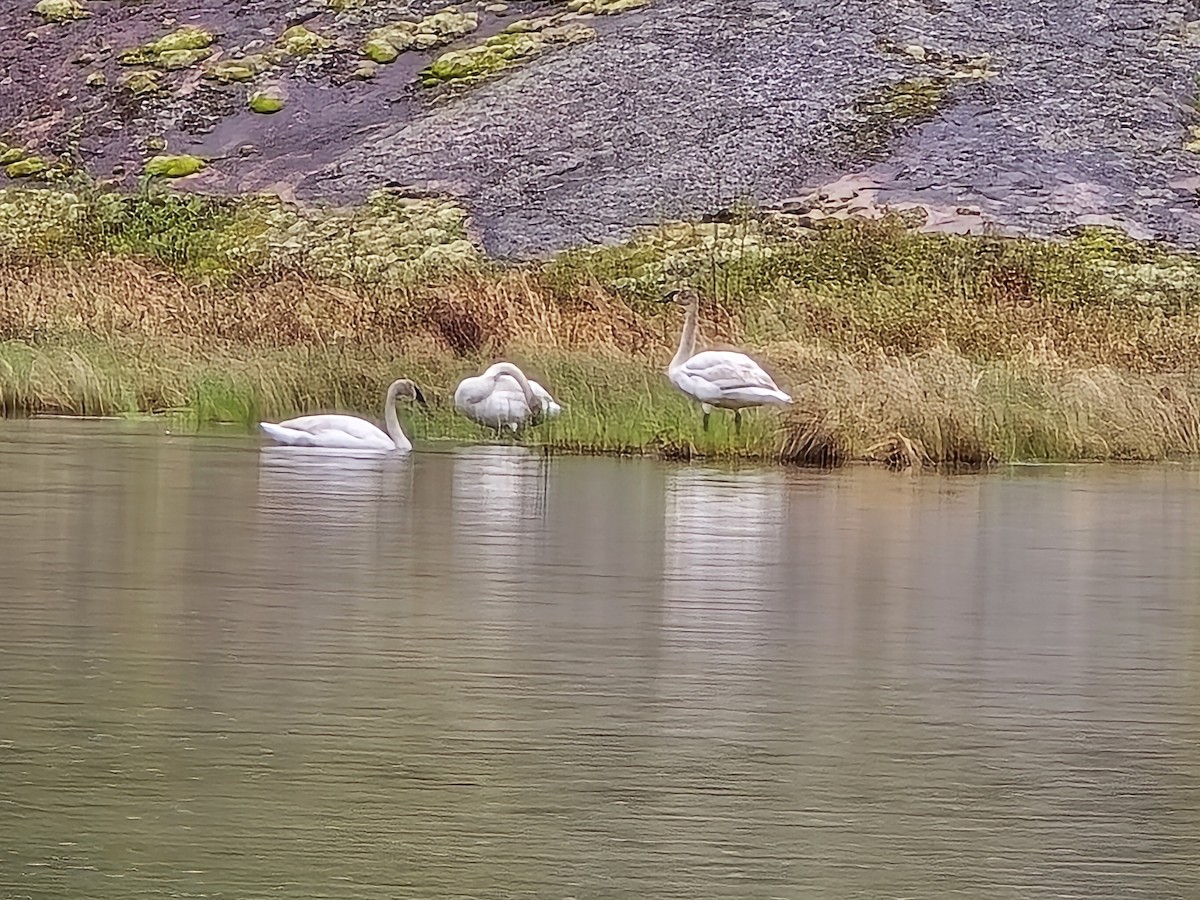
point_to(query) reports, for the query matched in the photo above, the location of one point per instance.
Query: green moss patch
(173, 166)
(384, 44)
(61, 10)
(11, 155)
(183, 47)
(502, 51)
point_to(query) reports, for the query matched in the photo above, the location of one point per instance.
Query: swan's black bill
(670, 296)
(418, 396)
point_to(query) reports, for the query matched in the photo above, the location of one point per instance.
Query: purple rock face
(674, 110)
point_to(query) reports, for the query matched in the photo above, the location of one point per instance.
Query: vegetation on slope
(900, 346)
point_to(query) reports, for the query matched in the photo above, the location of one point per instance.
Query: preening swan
(718, 378)
(550, 406)
(502, 397)
(349, 432)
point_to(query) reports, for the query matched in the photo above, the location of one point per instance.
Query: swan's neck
(532, 399)
(687, 340)
(392, 422)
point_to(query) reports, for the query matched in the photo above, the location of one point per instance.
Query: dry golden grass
(910, 350)
(939, 407)
(470, 314)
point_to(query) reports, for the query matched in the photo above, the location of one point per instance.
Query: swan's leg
(707, 411)
(737, 421)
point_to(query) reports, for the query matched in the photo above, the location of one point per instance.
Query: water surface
(231, 672)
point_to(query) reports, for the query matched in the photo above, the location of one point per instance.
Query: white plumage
(719, 378)
(550, 406)
(502, 397)
(337, 431)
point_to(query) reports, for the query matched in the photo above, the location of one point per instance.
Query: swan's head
(403, 389)
(680, 296)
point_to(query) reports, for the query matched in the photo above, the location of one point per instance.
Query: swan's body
(348, 432)
(719, 378)
(502, 397)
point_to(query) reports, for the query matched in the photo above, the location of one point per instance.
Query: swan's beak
(418, 396)
(669, 297)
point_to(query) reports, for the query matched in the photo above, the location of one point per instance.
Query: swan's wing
(352, 426)
(472, 390)
(727, 370)
(328, 438)
(727, 378)
(349, 426)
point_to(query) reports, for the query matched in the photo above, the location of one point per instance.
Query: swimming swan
(502, 397)
(349, 432)
(718, 378)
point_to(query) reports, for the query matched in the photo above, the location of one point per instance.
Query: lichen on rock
(366, 70)
(173, 166)
(183, 47)
(301, 41)
(388, 239)
(604, 7)
(265, 102)
(25, 168)
(1193, 143)
(950, 64)
(384, 44)
(141, 82)
(181, 59)
(244, 68)
(915, 99)
(502, 51)
(228, 70)
(61, 10)
(11, 155)
(96, 79)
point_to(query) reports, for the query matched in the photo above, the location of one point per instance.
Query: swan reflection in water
(722, 555)
(319, 481)
(331, 510)
(723, 538)
(499, 503)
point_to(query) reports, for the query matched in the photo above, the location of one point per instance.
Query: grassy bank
(901, 347)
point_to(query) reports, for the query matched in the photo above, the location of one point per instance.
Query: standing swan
(349, 432)
(502, 397)
(718, 378)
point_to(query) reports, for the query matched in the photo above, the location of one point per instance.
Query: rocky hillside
(564, 123)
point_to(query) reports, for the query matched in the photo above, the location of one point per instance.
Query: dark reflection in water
(233, 672)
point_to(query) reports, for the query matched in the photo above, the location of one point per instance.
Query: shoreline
(429, 444)
(901, 348)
